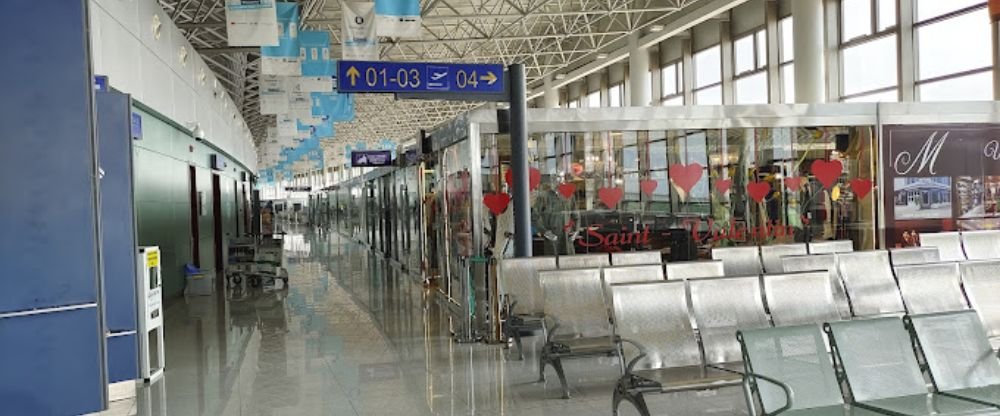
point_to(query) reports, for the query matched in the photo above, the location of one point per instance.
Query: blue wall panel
(123, 358)
(49, 363)
(117, 212)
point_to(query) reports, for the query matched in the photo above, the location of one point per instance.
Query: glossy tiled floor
(351, 335)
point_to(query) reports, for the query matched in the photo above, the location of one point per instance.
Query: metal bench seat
(831, 246)
(630, 274)
(982, 286)
(949, 245)
(981, 245)
(959, 357)
(882, 374)
(914, 255)
(721, 307)
(738, 261)
(870, 284)
(629, 258)
(698, 269)
(576, 318)
(771, 255)
(579, 261)
(791, 373)
(653, 322)
(816, 262)
(519, 285)
(800, 298)
(931, 288)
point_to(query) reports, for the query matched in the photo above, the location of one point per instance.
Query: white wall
(124, 47)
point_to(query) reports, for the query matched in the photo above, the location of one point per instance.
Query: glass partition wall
(684, 191)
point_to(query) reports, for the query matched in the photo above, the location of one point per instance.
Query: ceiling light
(656, 28)
(560, 76)
(602, 55)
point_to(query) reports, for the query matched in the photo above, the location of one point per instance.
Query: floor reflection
(353, 335)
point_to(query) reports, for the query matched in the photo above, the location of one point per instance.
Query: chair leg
(543, 359)
(748, 394)
(517, 341)
(624, 393)
(557, 365)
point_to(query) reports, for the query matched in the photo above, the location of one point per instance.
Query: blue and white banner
(284, 58)
(360, 43)
(287, 126)
(309, 84)
(334, 106)
(273, 95)
(397, 18)
(314, 52)
(251, 23)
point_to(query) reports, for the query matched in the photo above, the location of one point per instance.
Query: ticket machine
(151, 348)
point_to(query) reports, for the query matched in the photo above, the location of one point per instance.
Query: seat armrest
(634, 361)
(789, 394)
(551, 324)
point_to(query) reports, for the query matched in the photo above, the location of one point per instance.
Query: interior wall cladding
(162, 159)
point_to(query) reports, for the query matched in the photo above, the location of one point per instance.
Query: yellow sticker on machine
(153, 258)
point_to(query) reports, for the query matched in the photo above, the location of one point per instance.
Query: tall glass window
(708, 76)
(615, 95)
(594, 99)
(786, 56)
(750, 65)
(946, 71)
(672, 83)
(868, 50)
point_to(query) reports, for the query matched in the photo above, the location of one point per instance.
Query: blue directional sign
(402, 77)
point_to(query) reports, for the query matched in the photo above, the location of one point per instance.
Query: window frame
(678, 64)
(918, 82)
(873, 35)
(760, 58)
(695, 88)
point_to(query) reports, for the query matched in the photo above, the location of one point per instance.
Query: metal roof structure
(547, 36)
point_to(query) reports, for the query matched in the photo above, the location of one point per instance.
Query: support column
(810, 67)
(640, 92)
(551, 97)
(519, 161)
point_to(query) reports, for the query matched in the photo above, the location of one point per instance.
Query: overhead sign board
(371, 158)
(401, 77)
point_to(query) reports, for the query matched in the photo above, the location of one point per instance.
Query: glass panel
(743, 50)
(752, 89)
(878, 97)
(927, 9)
(788, 83)
(936, 45)
(761, 49)
(615, 96)
(856, 18)
(709, 96)
(886, 14)
(787, 39)
(977, 87)
(668, 78)
(594, 99)
(708, 67)
(675, 101)
(870, 66)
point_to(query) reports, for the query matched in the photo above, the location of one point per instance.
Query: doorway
(217, 222)
(195, 201)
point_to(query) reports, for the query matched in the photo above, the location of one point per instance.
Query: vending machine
(151, 348)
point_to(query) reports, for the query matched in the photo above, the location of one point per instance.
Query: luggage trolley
(258, 263)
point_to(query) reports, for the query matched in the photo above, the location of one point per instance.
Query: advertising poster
(284, 58)
(251, 23)
(942, 177)
(314, 52)
(360, 43)
(333, 106)
(397, 18)
(273, 95)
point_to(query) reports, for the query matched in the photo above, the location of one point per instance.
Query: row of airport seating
(701, 349)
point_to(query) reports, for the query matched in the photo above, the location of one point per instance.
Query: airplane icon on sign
(438, 79)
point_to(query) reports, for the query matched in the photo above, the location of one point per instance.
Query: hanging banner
(314, 52)
(284, 58)
(286, 126)
(397, 18)
(360, 43)
(273, 95)
(251, 23)
(308, 84)
(334, 106)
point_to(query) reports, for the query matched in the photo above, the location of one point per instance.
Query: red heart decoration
(567, 190)
(759, 190)
(686, 176)
(534, 178)
(576, 168)
(610, 196)
(827, 172)
(496, 202)
(793, 183)
(723, 185)
(861, 187)
(647, 186)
